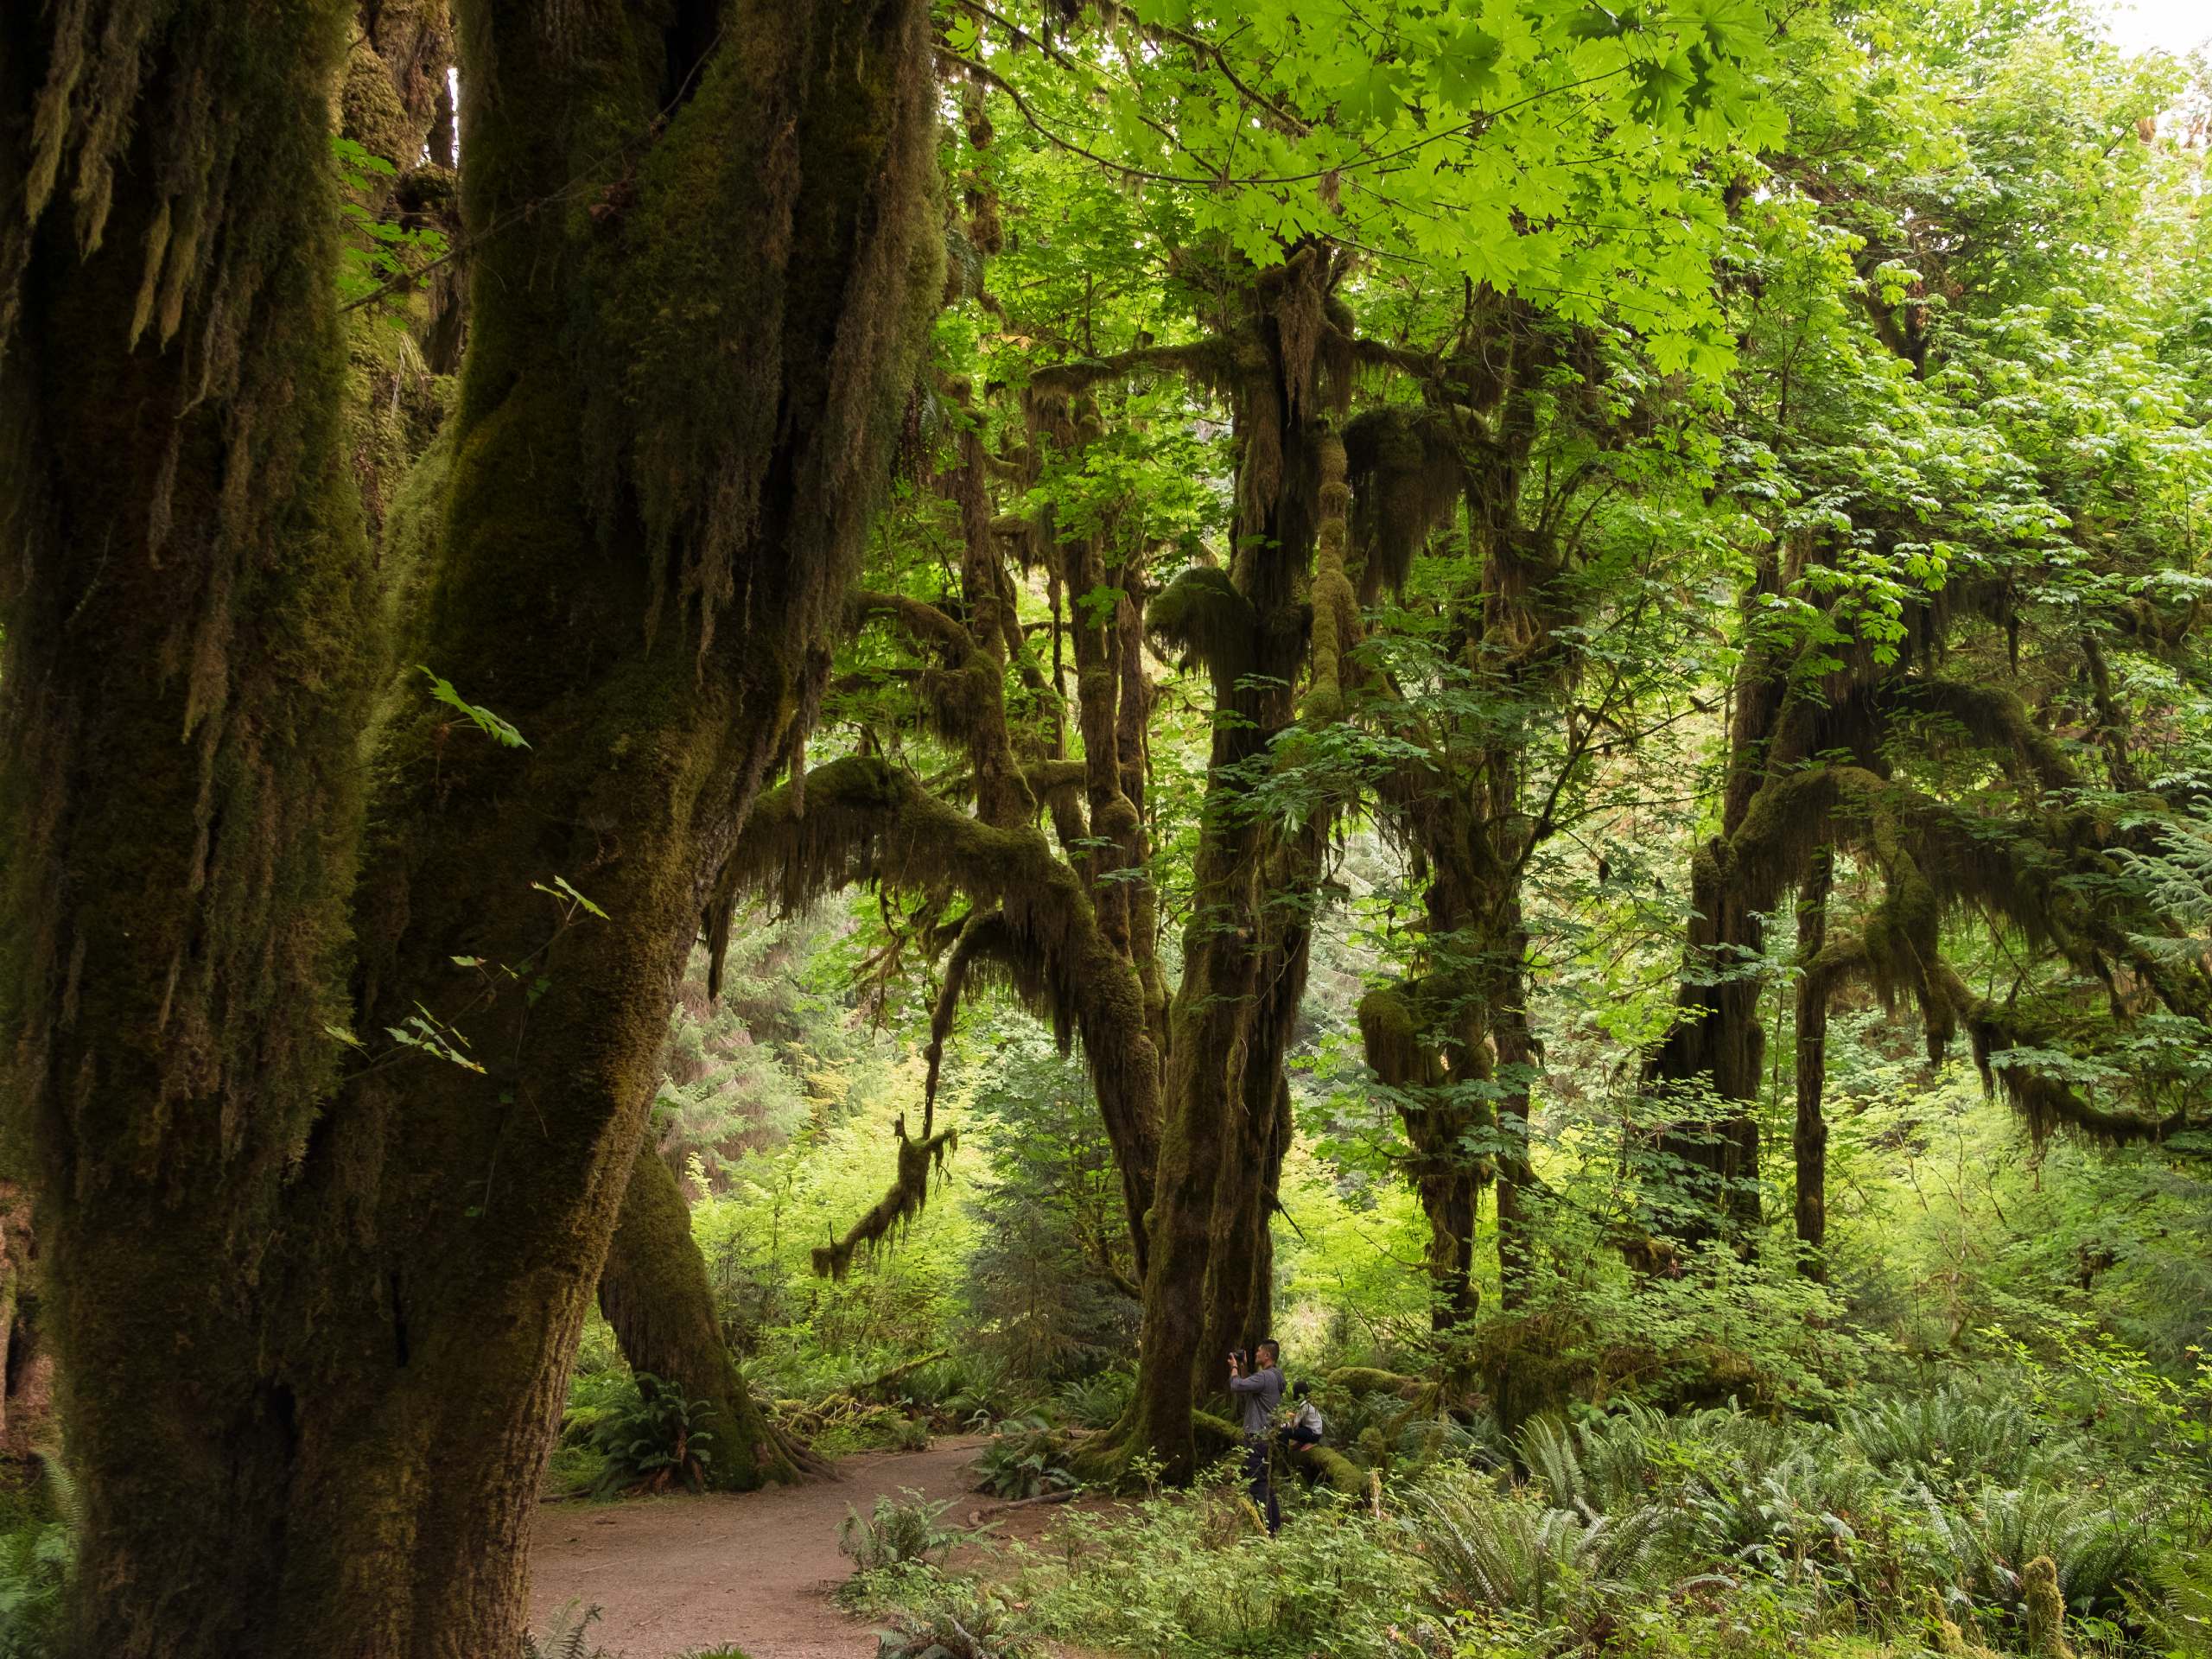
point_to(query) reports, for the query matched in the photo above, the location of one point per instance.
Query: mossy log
(1341, 1473)
(1217, 1436)
(1360, 1380)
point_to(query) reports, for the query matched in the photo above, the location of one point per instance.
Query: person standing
(1261, 1392)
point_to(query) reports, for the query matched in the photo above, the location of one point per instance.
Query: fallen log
(977, 1518)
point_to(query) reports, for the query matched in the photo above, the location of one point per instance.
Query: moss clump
(1948, 1640)
(1201, 614)
(1406, 477)
(371, 112)
(2046, 1610)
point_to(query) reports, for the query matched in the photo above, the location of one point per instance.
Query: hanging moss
(1406, 474)
(907, 1198)
(688, 401)
(867, 822)
(1202, 614)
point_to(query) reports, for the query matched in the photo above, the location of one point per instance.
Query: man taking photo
(1261, 1392)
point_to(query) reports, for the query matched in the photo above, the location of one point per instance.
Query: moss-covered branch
(908, 1195)
(867, 822)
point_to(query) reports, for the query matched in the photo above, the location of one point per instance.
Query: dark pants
(1260, 1483)
(1294, 1438)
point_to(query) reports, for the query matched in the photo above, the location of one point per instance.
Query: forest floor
(670, 1574)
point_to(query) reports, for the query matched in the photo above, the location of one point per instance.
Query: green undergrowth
(1901, 1526)
(39, 1516)
(567, 1635)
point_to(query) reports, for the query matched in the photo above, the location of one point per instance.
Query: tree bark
(315, 1338)
(1810, 1146)
(191, 650)
(1718, 1043)
(653, 1291)
(1225, 1101)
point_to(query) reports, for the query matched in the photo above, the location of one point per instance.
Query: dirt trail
(752, 1568)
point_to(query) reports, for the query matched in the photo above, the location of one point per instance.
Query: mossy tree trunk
(314, 1340)
(1419, 1039)
(1255, 878)
(1070, 931)
(1708, 1063)
(190, 653)
(1467, 811)
(654, 1293)
(1809, 1143)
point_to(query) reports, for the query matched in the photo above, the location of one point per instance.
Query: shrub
(2101, 1548)
(1946, 1434)
(951, 1618)
(1512, 1552)
(1628, 1457)
(1097, 1401)
(2175, 1607)
(568, 1636)
(36, 1559)
(1022, 1460)
(34, 1563)
(1195, 1575)
(895, 1533)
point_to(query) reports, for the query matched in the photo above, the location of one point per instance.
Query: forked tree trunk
(314, 1353)
(1224, 1101)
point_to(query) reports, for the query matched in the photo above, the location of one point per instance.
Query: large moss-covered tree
(1262, 275)
(318, 1293)
(1926, 743)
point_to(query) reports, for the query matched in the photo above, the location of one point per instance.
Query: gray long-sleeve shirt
(1263, 1392)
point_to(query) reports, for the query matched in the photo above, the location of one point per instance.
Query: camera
(1241, 1358)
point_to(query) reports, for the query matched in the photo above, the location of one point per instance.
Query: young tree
(1925, 686)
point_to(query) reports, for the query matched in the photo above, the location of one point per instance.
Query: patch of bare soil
(755, 1569)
